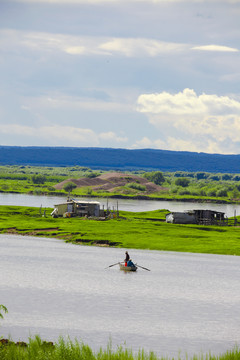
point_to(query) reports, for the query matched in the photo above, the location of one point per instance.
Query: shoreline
(135, 197)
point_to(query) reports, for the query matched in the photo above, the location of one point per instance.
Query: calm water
(188, 302)
(122, 204)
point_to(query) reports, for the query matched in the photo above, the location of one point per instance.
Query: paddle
(112, 265)
(142, 267)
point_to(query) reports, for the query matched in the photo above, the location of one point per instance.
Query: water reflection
(121, 204)
(188, 302)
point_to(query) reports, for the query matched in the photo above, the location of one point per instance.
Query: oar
(112, 265)
(143, 267)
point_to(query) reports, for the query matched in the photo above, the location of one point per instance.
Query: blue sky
(160, 74)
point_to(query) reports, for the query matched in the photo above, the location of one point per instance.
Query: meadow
(146, 230)
(38, 349)
(179, 185)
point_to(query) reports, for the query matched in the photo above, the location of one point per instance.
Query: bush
(68, 187)
(3, 309)
(156, 177)
(38, 179)
(136, 186)
(212, 192)
(174, 190)
(91, 175)
(214, 177)
(201, 175)
(222, 193)
(226, 177)
(184, 192)
(51, 188)
(182, 182)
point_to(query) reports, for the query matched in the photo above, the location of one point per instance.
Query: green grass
(36, 349)
(130, 230)
(19, 179)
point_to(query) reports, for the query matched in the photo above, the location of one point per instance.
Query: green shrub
(136, 186)
(222, 193)
(182, 182)
(70, 186)
(51, 188)
(3, 309)
(212, 192)
(201, 175)
(38, 179)
(226, 177)
(156, 177)
(91, 175)
(184, 192)
(214, 177)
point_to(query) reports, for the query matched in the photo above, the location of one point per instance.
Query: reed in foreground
(68, 350)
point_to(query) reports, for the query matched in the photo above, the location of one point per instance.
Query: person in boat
(127, 258)
(130, 263)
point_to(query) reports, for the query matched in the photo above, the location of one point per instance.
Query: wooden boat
(127, 268)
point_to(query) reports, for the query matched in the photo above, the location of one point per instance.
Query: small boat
(127, 268)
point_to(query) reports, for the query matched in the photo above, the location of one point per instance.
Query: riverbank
(139, 230)
(177, 198)
(36, 348)
(178, 186)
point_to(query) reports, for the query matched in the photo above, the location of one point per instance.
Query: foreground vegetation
(200, 186)
(146, 230)
(64, 350)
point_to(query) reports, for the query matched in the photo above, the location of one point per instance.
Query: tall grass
(36, 349)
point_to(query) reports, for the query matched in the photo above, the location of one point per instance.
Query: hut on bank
(199, 217)
(78, 208)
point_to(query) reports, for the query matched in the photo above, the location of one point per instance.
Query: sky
(134, 74)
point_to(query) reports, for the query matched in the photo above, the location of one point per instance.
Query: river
(187, 303)
(122, 204)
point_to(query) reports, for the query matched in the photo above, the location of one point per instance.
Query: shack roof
(79, 202)
(195, 211)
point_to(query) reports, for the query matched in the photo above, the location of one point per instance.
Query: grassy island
(140, 230)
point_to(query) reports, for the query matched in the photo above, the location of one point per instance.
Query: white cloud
(51, 43)
(134, 47)
(187, 121)
(59, 135)
(112, 137)
(187, 103)
(215, 48)
(85, 45)
(75, 50)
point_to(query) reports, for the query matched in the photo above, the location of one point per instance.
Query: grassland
(185, 186)
(68, 350)
(146, 230)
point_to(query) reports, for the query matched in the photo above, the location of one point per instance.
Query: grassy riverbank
(146, 230)
(64, 350)
(184, 186)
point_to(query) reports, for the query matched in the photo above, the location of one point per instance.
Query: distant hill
(120, 159)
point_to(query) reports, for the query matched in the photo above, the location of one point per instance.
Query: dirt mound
(110, 181)
(81, 182)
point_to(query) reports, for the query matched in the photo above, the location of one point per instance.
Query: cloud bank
(193, 122)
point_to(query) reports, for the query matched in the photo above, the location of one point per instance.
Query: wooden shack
(78, 208)
(200, 217)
